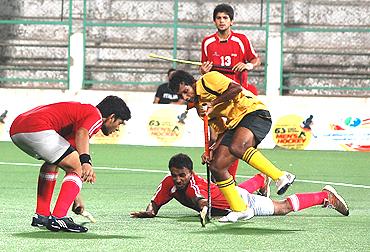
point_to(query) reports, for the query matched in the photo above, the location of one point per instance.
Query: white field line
(203, 174)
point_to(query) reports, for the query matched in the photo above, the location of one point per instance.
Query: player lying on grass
(241, 121)
(190, 189)
(59, 134)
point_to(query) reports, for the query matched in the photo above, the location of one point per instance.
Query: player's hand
(207, 159)
(142, 214)
(206, 67)
(78, 205)
(205, 109)
(240, 67)
(88, 173)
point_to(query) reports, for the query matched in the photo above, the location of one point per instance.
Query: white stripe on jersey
(157, 191)
(237, 40)
(96, 125)
(195, 187)
(206, 44)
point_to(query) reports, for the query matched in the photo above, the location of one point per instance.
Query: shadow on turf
(244, 229)
(65, 235)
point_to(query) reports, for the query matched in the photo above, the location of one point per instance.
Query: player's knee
(236, 150)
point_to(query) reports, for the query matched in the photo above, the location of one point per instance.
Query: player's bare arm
(150, 212)
(233, 90)
(82, 146)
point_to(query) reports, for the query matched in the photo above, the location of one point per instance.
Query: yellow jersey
(229, 113)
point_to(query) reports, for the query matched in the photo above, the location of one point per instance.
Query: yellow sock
(227, 187)
(256, 159)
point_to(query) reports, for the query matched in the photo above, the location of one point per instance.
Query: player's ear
(111, 116)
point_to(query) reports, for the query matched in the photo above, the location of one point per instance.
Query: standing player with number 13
(230, 49)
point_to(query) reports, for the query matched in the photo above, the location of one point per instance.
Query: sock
(253, 184)
(71, 186)
(45, 189)
(233, 168)
(301, 201)
(227, 187)
(256, 159)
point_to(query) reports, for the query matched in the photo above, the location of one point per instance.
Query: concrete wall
(120, 53)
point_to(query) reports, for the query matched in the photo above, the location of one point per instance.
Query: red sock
(233, 168)
(301, 201)
(45, 189)
(253, 184)
(71, 186)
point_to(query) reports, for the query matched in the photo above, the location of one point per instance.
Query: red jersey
(64, 117)
(196, 189)
(237, 48)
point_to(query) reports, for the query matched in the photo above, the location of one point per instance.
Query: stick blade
(88, 216)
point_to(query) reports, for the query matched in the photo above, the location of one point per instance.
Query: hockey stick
(196, 63)
(207, 152)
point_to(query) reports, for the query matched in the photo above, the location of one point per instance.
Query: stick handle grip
(206, 136)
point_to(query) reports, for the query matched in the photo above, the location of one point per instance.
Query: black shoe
(39, 220)
(64, 224)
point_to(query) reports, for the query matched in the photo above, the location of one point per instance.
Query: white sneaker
(235, 216)
(284, 182)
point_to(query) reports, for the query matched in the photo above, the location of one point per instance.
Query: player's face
(222, 22)
(110, 125)
(181, 177)
(187, 92)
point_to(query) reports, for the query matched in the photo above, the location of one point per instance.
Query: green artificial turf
(127, 177)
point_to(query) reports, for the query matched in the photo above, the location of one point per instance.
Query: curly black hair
(181, 161)
(178, 77)
(114, 105)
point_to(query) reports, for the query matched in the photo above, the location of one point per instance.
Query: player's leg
(328, 197)
(54, 149)
(222, 159)
(45, 188)
(260, 206)
(71, 187)
(259, 183)
(233, 168)
(246, 136)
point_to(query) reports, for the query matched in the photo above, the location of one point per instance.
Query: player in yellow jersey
(241, 121)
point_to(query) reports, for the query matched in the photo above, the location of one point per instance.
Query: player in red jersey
(59, 134)
(188, 188)
(229, 49)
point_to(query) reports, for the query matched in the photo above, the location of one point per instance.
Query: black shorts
(259, 122)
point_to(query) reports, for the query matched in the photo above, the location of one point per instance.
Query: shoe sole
(333, 191)
(285, 187)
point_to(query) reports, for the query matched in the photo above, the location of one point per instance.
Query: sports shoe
(284, 182)
(203, 215)
(335, 201)
(235, 216)
(64, 224)
(265, 190)
(39, 220)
